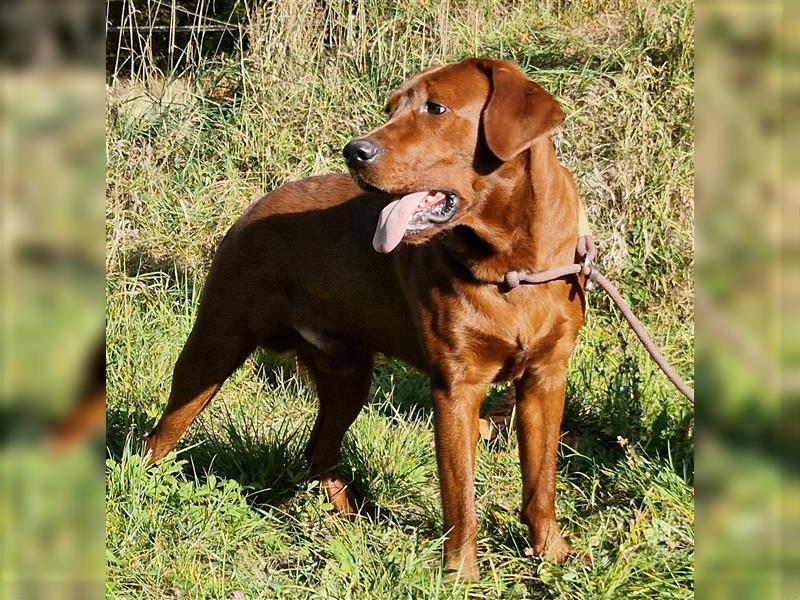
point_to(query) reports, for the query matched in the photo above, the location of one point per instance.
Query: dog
(458, 187)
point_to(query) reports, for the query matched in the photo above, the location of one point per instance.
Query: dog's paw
(550, 544)
(462, 570)
(340, 495)
(558, 551)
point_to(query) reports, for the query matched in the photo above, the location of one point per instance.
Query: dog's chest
(494, 336)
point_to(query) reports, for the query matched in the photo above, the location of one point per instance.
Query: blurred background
(53, 174)
(55, 60)
(747, 297)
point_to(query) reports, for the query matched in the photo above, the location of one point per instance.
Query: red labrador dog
(459, 186)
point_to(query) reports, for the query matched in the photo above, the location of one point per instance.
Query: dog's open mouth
(411, 214)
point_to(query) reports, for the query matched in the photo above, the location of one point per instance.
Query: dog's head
(449, 128)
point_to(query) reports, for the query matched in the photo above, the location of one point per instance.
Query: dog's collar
(459, 262)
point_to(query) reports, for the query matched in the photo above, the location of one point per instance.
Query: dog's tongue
(393, 222)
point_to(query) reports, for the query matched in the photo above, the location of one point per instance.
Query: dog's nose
(359, 153)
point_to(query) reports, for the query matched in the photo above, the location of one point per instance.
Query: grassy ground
(232, 511)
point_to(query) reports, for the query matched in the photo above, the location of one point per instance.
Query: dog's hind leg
(342, 393)
(214, 350)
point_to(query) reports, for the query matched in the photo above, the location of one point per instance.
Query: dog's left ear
(518, 112)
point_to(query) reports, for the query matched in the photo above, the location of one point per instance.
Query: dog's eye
(433, 109)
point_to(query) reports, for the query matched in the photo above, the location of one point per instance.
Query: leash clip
(586, 249)
(588, 271)
(510, 281)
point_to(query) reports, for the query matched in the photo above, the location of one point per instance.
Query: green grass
(232, 510)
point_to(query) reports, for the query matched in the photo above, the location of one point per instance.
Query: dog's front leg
(456, 409)
(540, 406)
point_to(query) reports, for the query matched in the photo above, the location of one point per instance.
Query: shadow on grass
(125, 426)
(555, 54)
(141, 261)
(265, 456)
(268, 464)
(600, 426)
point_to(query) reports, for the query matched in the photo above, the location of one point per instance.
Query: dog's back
(298, 268)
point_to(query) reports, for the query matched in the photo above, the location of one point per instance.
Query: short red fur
(298, 272)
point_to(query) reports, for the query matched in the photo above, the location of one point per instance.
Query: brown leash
(586, 250)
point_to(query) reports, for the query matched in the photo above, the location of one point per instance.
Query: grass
(231, 511)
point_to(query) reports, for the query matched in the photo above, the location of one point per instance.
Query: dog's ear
(518, 112)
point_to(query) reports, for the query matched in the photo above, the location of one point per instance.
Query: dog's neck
(527, 217)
